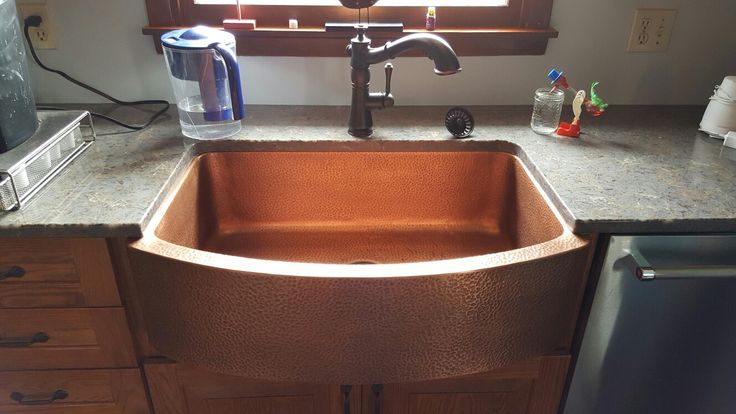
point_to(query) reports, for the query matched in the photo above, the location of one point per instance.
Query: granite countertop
(637, 169)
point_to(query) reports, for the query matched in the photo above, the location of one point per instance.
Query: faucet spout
(436, 48)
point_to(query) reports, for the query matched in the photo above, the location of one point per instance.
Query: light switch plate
(651, 30)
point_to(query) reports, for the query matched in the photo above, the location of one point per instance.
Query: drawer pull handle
(345, 390)
(38, 399)
(12, 271)
(377, 388)
(645, 272)
(23, 342)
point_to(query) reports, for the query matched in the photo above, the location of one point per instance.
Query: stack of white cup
(720, 116)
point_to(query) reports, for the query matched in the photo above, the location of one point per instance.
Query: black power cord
(35, 21)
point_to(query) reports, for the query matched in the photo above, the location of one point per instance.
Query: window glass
(438, 3)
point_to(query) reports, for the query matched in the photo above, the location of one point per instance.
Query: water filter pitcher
(204, 73)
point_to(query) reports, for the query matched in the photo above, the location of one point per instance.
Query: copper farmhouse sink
(358, 267)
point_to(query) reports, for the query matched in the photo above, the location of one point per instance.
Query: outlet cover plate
(651, 30)
(43, 37)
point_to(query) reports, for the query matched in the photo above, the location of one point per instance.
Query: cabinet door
(182, 389)
(53, 273)
(532, 387)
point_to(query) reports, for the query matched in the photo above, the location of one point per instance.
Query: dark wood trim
(535, 14)
(317, 16)
(160, 13)
(521, 28)
(317, 42)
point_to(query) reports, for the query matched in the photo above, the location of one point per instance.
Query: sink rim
(152, 243)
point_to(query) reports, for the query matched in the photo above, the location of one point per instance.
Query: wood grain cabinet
(531, 387)
(117, 391)
(52, 273)
(65, 344)
(181, 389)
(65, 338)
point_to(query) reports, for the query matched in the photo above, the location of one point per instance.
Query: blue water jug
(204, 73)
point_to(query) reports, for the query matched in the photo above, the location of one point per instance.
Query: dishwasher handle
(645, 272)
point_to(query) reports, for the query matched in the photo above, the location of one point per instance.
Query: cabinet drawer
(37, 273)
(83, 392)
(64, 338)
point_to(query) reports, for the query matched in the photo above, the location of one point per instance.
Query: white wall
(100, 42)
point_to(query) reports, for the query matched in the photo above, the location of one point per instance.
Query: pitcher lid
(198, 37)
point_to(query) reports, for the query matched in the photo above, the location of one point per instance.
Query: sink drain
(363, 262)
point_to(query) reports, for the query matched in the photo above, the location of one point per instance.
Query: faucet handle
(389, 71)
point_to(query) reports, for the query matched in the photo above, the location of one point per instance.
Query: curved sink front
(358, 267)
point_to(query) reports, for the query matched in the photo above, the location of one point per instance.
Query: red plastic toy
(573, 128)
(569, 130)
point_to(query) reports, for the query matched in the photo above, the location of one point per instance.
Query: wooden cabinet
(65, 338)
(63, 330)
(46, 273)
(65, 344)
(181, 389)
(73, 392)
(532, 387)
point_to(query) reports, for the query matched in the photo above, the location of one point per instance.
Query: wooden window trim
(521, 28)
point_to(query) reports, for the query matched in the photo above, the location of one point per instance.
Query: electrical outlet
(42, 36)
(652, 30)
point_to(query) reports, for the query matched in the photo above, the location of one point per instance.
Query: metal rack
(26, 169)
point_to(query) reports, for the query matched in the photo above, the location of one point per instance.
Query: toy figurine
(594, 106)
(573, 129)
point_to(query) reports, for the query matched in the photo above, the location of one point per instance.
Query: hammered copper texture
(336, 323)
(346, 208)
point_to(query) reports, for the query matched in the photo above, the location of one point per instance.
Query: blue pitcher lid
(198, 37)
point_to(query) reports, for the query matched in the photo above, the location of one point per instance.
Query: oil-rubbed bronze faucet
(362, 56)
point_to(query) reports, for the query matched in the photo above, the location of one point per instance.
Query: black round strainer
(459, 121)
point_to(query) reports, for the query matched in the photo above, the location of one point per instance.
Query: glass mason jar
(547, 110)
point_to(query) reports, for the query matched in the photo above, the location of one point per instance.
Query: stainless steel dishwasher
(661, 333)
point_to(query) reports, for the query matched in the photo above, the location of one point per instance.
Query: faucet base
(362, 56)
(361, 133)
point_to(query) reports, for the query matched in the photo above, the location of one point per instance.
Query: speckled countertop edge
(636, 170)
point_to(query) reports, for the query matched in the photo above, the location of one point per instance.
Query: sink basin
(358, 267)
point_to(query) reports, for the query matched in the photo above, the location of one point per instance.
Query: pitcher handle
(233, 76)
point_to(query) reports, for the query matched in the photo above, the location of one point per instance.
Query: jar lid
(548, 93)
(196, 38)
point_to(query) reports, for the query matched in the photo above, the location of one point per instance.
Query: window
(383, 3)
(473, 27)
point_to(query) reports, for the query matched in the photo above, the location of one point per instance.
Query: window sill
(318, 43)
